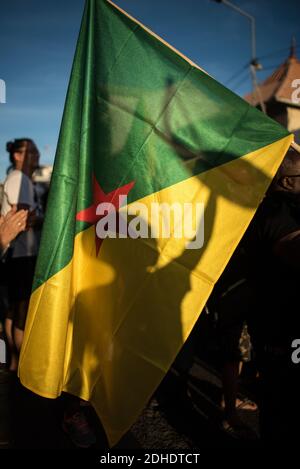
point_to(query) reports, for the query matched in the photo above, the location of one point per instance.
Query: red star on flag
(115, 198)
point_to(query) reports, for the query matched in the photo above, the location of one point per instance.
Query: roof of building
(279, 85)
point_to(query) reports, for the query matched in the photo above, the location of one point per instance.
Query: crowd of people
(256, 293)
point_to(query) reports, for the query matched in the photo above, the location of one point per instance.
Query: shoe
(79, 430)
(246, 404)
(242, 403)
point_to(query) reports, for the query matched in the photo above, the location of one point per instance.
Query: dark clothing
(275, 319)
(231, 304)
(257, 286)
(233, 311)
(20, 273)
(279, 404)
(275, 283)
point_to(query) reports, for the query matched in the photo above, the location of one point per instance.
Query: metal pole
(253, 63)
(253, 37)
(252, 20)
(256, 88)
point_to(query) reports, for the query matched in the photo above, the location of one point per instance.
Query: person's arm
(288, 249)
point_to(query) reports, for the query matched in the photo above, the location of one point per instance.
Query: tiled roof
(279, 85)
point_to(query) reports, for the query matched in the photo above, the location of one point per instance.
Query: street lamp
(254, 65)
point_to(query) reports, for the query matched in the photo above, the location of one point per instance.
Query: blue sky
(38, 39)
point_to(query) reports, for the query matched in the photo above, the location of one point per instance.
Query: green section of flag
(137, 111)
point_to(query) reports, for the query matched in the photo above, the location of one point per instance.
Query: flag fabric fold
(142, 126)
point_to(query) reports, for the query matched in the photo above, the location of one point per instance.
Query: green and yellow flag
(143, 128)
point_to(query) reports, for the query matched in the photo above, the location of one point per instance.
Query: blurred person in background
(19, 191)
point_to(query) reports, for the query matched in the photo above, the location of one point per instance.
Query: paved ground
(173, 420)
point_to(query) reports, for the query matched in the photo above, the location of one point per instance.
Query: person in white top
(21, 258)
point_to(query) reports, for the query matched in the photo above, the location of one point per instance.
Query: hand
(11, 225)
